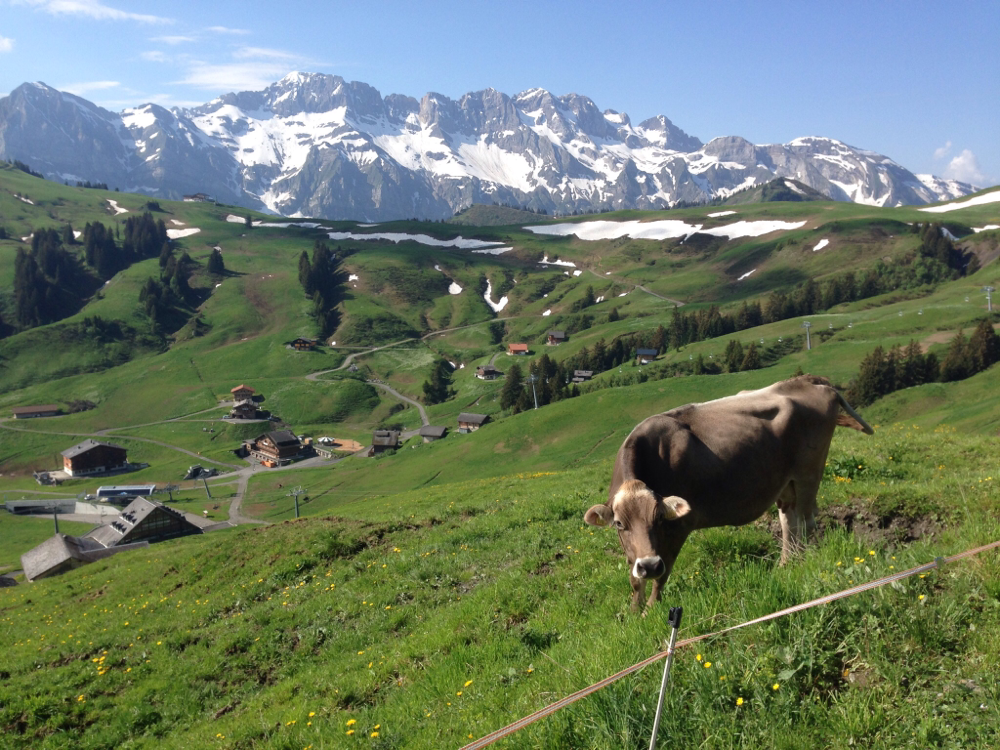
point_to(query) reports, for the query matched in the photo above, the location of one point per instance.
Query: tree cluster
(438, 387)
(551, 383)
(44, 278)
(323, 281)
(884, 371)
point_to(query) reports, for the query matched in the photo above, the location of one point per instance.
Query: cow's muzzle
(649, 567)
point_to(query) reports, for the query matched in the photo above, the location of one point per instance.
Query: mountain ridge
(317, 145)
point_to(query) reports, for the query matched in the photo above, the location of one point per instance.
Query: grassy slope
(250, 638)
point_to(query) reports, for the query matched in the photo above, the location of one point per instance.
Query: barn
(93, 457)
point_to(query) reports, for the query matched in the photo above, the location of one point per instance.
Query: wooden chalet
(488, 372)
(244, 410)
(33, 412)
(197, 198)
(468, 422)
(582, 376)
(384, 440)
(274, 448)
(645, 356)
(303, 345)
(554, 338)
(430, 433)
(93, 457)
(242, 393)
(517, 349)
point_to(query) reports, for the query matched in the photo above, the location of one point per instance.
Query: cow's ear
(599, 515)
(676, 507)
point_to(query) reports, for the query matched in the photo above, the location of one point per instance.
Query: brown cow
(721, 463)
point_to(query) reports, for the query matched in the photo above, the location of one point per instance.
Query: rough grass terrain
(431, 596)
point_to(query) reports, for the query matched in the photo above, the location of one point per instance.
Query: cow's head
(647, 526)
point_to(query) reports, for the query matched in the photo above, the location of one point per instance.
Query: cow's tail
(852, 419)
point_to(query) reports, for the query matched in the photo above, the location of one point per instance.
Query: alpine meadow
(400, 426)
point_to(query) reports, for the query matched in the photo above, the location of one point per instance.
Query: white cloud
(224, 30)
(252, 69)
(249, 53)
(80, 89)
(90, 9)
(6, 45)
(965, 168)
(943, 152)
(153, 56)
(174, 39)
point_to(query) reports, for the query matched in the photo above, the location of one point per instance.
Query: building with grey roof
(62, 552)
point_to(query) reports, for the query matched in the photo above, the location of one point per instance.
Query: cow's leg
(793, 522)
(638, 591)
(655, 594)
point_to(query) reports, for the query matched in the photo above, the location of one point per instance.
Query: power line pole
(807, 325)
(989, 299)
(534, 379)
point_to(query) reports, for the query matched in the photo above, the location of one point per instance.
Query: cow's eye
(619, 525)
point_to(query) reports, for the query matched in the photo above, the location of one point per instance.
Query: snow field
(661, 230)
(979, 200)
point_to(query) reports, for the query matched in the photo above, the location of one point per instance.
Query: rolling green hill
(434, 594)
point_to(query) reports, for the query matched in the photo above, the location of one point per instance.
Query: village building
(122, 494)
(143, 520)
(62, 553)
(384, 440)
(555, 337)
(93, 457)
(645, 356)
(33, 412)
(197, 198)
(242, 393)
(488, 372)
(141, 523)
(430, 433)
(303, 345)
(468, 422)
(274, 448)
(517, 349)
(581, 376)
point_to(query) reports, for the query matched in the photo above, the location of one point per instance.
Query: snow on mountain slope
(317, 145)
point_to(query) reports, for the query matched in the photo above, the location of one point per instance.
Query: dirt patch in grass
(871, 527)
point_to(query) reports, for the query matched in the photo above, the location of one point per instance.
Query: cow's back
(731, 458)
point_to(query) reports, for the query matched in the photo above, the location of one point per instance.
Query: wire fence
(558, 705)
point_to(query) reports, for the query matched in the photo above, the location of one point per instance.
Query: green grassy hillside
(432, 595)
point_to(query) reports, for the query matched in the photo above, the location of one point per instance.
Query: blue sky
(916, 81)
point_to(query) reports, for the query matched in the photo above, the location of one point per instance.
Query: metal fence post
(675, 623)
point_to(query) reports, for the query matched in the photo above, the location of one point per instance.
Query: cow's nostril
(649, 567)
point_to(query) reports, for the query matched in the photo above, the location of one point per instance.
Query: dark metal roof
(33, 409)
(386, 438)
(557, 334)
(647, 352)
(431, 431)
(282, 437)
(85, 446)
(472, 418)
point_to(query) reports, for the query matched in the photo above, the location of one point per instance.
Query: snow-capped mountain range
(317, 145)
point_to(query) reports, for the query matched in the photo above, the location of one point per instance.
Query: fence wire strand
(558, 705)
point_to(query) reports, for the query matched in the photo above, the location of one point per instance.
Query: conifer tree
(957, 364)
(752, 359)
(513, 389)
(216, 264)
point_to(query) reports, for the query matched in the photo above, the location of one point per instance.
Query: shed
(645, 356)
(385, 440)
(555, 337)
(93, 457)
(32, 412)
(581, 376)
(62, 552)
(517, 349)
(430, 433)
(468, 422)
(488, 372)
